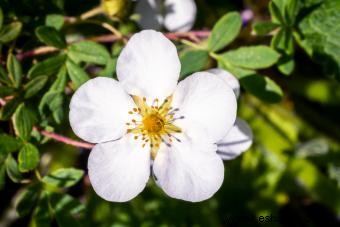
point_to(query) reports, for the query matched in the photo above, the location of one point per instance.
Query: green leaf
(65, 177)
(54, 20)
(89, 52)
(77, 74)
(1, 18)
(262, 87)
(24, 120)
(2, 175)
(13, 170)
(109, 69)
(264, 27)
(225, 31)
(321, 35)
(47, 67)
(50, 36)
(7, 111)
(4, 75)
(41, 215)
(9, 144)
(193, 61)
(283, 41)
(286, 65)
(60, 82)
(253, 57)
(276, 12)
(65, 207)
(34, 86)
(10, 32)
(6, 91)
(28, 157)
(28, 199)
(14, 70)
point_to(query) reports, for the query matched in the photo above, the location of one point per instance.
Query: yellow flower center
(156, 124)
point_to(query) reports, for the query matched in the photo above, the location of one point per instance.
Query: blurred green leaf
(76, 73)
(54, 100)
(28, 199)
(225, 31)
(7, 111)
(60, 83)
(262, 87)
(193, 61)
(28, 157)
(41, 215)
(9, 144)
(89, 52)
(34, 86)
(54, 20)
(12, 169)
(65, 177)
(253, 57)
(4, 76)
(264, 27)
(334, 173)
(286, 65)
(110, 68)
(65, 207)
(315, 147)
(2, 175)
(291, 11)
(14, 70)
(50, 36)
(6, 91)
(276, 11)
(10, 32)
(24, 119)
(283, 41)
(1, 18)
(47, 67)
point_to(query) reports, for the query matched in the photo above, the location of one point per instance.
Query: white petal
(180, 15)
(99, 110)
(149, 65)
(119, 170)
(150, 14)
(238, 140)
(205, 101)
(229, 78)
(189, 171)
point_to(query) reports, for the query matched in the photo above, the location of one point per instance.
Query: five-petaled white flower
(148, 120)
(174, 15)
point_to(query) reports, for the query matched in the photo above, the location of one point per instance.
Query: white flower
(174, 15)
(147, 119)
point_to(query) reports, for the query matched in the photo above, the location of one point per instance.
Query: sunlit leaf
(76, 73)
(34, 86)
(28, 157)
(47, 67)
(24, 119)
(89, 52)
(10, 32)
(193, 61)
(14, 70)
(66, 177)
(54, 20)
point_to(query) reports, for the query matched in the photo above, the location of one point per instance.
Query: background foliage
(287, 59)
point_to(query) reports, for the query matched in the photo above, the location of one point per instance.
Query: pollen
(157, 124)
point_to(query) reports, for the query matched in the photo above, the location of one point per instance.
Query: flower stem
(91, 13)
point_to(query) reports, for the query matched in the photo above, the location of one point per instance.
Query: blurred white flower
(174, 15)
(240, 136)
(147, 119)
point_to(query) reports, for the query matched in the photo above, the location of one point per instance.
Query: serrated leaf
(264, 27)
(28, 199)
(7, 111)
(193, 61)
(28, 157)
(47, 67)
(89, 52)
(262, 87)
(10, 32)
(54, 20)
(34, 86)
(14, 70)
(76, 73)
(65, 177)
(225, 31)
(50, 36)
(9, 144)
(13, 170)
(253, 57)
(24, 120)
